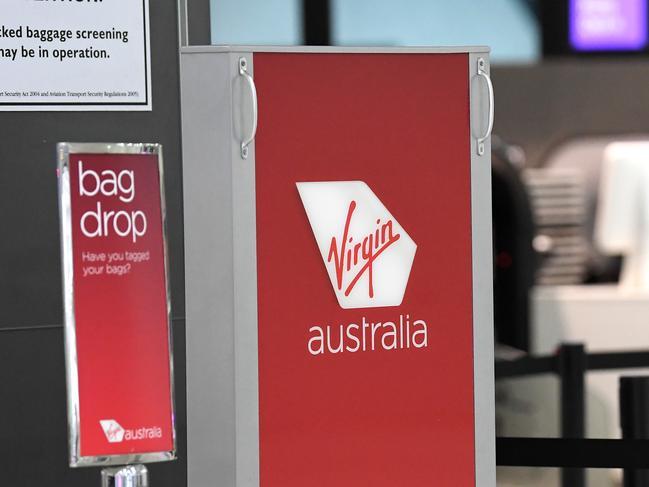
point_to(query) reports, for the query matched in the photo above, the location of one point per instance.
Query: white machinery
(622, 222)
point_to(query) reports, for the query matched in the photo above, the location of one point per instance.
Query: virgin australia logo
(368, 255)
(115, 433)
(113, 430)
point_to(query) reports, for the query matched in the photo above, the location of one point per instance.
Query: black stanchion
(634, 420)
(571, 366)
(573, 452)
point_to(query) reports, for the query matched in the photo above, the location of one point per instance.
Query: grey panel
(221, 277)
(335, 49)
(207, 156)
(483, 331)
(245, 291)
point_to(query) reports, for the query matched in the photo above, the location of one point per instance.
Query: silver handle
(482, 71)
(243, 71)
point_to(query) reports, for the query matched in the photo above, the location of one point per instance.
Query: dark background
(33, 421)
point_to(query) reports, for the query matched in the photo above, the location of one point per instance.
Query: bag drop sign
(103, 223)
(75, 55)
(116, 303)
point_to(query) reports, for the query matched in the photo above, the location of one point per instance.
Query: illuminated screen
(608, 25)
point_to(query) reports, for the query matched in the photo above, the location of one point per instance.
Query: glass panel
(256, 21)
(507, 26)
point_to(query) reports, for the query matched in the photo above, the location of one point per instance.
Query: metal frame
(483, 340)
(64, 150)
(336, 50)
(211, 156)
(246, 325)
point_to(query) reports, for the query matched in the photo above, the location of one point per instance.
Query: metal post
(194, 23)
(634, 421)
(127, 476)
(316, 18)
(571, 367)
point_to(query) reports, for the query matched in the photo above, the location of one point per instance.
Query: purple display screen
(608, 25)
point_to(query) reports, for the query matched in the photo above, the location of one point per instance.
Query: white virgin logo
(368, 255)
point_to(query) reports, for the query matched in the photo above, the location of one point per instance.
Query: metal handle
(482, 71)
(243, 71)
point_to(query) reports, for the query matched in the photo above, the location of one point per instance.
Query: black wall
(33, 422)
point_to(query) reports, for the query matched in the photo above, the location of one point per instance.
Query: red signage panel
(117, 322)
(364, 258)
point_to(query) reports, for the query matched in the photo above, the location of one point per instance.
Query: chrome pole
(127, 476)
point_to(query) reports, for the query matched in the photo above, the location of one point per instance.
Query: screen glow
(608, 25)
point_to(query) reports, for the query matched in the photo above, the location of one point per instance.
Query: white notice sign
(76, 55)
